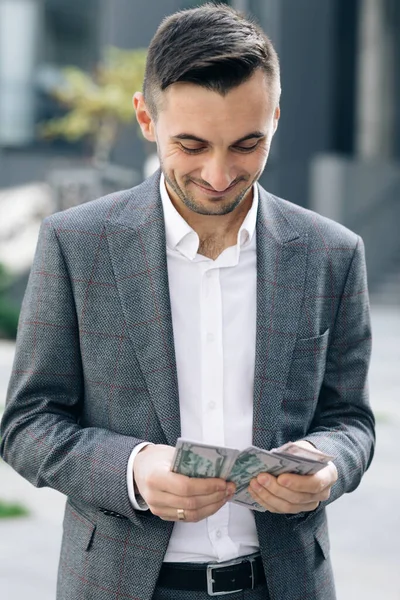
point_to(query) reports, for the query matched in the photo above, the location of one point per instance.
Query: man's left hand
(289, 493)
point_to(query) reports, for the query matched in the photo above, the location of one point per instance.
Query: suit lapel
(136, 239)
(281, 268)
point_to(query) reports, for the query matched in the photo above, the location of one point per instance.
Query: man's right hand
(165, 492)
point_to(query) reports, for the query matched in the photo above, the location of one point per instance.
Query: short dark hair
(213, 46)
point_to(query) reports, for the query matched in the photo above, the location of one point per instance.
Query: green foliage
(11, 510)
(8, 320)
(382, 418)
(9, 315)
(98, 103)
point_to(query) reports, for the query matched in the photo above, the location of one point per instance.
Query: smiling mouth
(214, 193)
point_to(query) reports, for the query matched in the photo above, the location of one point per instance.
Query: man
(196, 304)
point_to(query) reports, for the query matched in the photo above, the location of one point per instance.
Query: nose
(217, 173)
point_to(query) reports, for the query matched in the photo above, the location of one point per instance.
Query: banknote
(196, 459)
(246, 500)
(309, 461)
(251, 462)
(303, 453)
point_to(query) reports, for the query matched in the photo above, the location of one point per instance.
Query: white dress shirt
(213, 305)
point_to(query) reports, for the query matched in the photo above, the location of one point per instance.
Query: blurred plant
(10, 510)
(98, 103)
(9, 315)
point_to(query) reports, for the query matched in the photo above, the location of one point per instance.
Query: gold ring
(181, 514)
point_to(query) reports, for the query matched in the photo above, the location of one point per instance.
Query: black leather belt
(217, 578)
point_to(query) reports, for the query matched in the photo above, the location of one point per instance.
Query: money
(195, 459)
(253, 461)
(246, 500)
(303, 453)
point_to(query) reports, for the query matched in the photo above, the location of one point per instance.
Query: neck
(215, 232)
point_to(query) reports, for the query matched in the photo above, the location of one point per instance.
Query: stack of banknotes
(195, 459)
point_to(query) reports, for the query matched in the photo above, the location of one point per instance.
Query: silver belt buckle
(237, 561)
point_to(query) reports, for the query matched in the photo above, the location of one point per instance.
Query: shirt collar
(181, 237)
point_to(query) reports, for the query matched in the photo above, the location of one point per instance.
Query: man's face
(212, 148)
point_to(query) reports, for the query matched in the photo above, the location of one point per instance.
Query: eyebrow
(194, 138)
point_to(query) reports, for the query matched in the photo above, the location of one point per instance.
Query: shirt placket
(212, 395)
(212, 359)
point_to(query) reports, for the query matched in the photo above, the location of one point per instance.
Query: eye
(191, 150)
(246, 148)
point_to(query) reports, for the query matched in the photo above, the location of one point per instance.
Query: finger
(191, 516)
(313, 484)
(277, 505)
(166, 500)
(181, 485)
(271, 484)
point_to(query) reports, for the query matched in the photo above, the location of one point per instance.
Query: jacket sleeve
(344, 423)
(41, 437)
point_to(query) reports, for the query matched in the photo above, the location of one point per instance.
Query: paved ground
(364, 526)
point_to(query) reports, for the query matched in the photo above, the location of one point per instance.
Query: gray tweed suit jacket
(95, 374)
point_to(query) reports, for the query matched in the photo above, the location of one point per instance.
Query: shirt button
(210, 337)
(209, 274)
(218, 533)
(212, 405)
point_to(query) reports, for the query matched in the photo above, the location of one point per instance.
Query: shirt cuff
(136, 499)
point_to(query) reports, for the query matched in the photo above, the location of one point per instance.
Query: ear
(277, 115)
(144, 117)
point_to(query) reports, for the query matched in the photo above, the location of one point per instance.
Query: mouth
(214, 193)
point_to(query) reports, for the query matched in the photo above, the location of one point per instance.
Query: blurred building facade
(337, 149)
